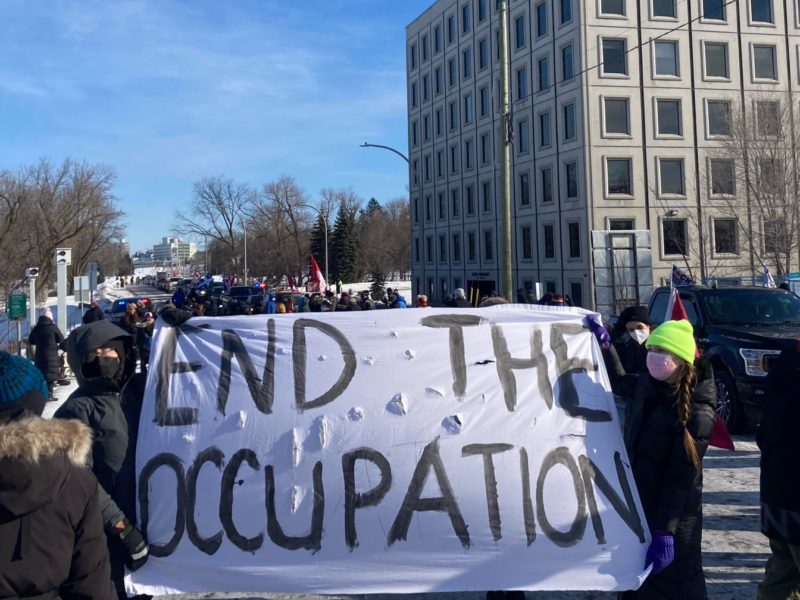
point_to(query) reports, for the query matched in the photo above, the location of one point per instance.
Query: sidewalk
(734, 551)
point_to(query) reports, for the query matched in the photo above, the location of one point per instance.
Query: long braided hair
(684, 390)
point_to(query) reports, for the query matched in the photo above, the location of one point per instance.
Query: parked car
(116, 311)
(735, 328)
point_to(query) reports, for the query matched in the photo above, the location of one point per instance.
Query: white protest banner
(392, 451)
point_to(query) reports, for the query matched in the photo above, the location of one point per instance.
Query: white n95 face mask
(640, 335)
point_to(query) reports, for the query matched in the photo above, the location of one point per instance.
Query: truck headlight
(752, 360)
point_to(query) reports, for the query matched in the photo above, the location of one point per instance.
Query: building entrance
(477, 289)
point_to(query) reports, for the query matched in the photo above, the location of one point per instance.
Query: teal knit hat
(675, 336)
(19, 377)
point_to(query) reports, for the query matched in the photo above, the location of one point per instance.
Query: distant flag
(316, 282)
(766, 278)
(292, 285)
(675, 309)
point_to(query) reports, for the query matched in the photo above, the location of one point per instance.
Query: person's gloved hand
(174, 316)
(133, 542)
(661, 551)
(600, 332)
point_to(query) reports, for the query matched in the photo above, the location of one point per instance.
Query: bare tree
(219, 208)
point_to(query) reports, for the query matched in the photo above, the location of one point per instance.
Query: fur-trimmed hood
(36, 456)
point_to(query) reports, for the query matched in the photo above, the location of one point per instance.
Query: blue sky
(168, 92)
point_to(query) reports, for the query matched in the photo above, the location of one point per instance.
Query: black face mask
(102, 366)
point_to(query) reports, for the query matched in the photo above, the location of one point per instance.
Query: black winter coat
(93, 314)
(670, 488)
(113, 416)
(51, 535)
(780, 444)
(46, 336)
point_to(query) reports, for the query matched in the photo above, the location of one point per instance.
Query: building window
(725, 236)
(618, 177)
(486, 192)
(519, 30)
(437, 80)
(612, 7)
(452, 72)
(465, 18)
(768, 118)
(666, 53)
(414, 94)
(566, 11)
(483, 54)
(416, 250)
(468, 162)
(481, 14)
(569, 122)
(437, 39)
(718, 117)
(470, 192)
(426, 165)
(414, 133)
(485, 153)
(439, 163)
(429, 249)
(415, 170)
(524, 142)
(549, 241)
(673, 237)
(541, 19)
(426, 127)
(442, 248)
(484, 101)
(544, 74)
(522, 83)
(714, 10)
(770, 176)
(471, 246)
(574, 232)
(615, 113)
(451, 29)
(621, 224)
(438, 120)
(671, 180)
(664, 9)
(424, 48)
(571, 172)
(428, 213)
(488, 246)
(567, 66)
(576, 293)
(716, 62)
(456, 253)
(469, 109)
(761, 11)
(544, 129)
(615, 60)
(454, 161)
(454, 201)
(547, 184)
(773, 234)
(416, 210)
(467, 60)
(527, 246)
(441, 205)
(669, 117)
(723, 177)
(413, 56)
(524, 189)
(453, 116)
(764, 62)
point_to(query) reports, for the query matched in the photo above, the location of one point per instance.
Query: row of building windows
(759, 11)
(548, 240)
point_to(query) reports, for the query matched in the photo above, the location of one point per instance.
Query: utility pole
(63, 258)
(504, 137)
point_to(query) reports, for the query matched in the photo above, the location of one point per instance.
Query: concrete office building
(618, 108)
(173, 251)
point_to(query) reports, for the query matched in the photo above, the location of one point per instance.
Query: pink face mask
(660, 365)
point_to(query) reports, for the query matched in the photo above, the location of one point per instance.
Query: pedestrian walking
(780, 471)
(110, 406)
(669, 419)
(51, 533)
(94, 312)
(46, 337)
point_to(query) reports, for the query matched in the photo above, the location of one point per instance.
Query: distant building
(173, 250)
(125, 246)
(618, 114)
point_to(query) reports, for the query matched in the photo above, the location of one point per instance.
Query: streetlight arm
(389, 148)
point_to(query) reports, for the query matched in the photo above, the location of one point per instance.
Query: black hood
(88, 337)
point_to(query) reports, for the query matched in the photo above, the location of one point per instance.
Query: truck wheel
(728, 405)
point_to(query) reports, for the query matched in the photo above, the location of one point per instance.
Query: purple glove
(661, 551)
(600, 332)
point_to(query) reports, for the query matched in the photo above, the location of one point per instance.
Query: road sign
(17, 306)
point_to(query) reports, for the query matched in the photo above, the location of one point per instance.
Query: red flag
(292, 285)
(315, 279)
(678, 310)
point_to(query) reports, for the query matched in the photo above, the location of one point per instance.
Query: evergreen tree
(344, 247)
(317, 245)
(372, 207)
(378, 287)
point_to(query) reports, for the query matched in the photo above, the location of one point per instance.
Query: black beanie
(635, 313)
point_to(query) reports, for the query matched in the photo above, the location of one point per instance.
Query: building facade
(173, 250)
(621, 115)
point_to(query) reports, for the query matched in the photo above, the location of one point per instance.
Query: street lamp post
(244, 229)
(389, 148)
(325, 218)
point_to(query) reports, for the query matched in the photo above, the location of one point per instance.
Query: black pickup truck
(735, 328)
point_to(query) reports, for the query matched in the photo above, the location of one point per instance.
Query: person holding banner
(669, 420)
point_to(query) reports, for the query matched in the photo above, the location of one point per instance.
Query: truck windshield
(756, 307)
